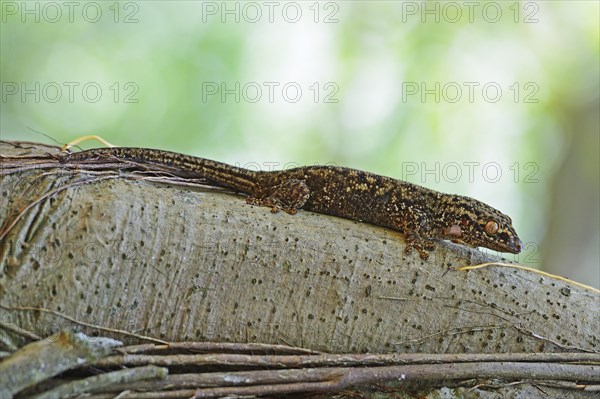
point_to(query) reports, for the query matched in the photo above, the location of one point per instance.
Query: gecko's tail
(222, 174)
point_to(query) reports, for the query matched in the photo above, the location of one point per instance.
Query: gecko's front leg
(288, 196)
(415, 226)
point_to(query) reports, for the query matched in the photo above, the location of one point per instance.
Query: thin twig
(217, 347)
(526, 331)
(329, 360)
(105, 380)
(20, 331)
(529, 269)
(113, 330)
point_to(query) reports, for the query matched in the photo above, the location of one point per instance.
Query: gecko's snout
(516, 245)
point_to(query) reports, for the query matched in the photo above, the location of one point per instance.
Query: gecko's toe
(430, 246)
(422, 250)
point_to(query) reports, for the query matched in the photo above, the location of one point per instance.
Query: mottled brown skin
(421, 214)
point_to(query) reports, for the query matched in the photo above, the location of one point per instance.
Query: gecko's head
(476, 224)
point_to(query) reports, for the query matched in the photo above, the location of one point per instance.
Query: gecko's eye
(491, 227)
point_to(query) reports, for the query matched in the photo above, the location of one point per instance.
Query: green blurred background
(495, 100)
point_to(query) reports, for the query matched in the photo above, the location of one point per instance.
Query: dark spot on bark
(566, 291)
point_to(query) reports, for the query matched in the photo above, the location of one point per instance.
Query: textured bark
(197, 264)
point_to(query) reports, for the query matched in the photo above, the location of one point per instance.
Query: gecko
(424, 216)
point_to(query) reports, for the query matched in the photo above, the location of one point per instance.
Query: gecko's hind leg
(418, 243)
(288, 196)
(415, 228)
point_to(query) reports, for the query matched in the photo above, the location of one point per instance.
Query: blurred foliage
(186, 76)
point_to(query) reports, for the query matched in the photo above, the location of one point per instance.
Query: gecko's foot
(422, 253)
(263, 202)
(289, 196)
(290, 211)
(269, 202)
(421, 246)
(429, 245)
